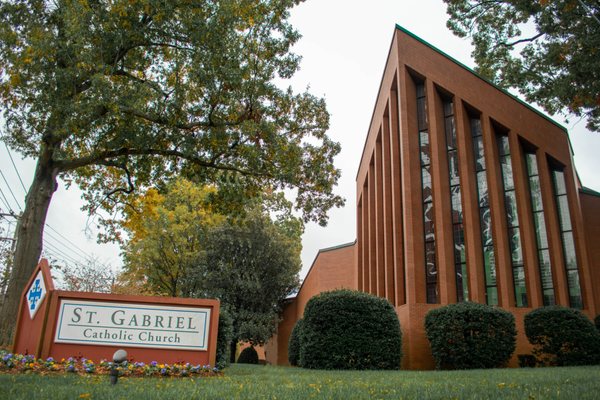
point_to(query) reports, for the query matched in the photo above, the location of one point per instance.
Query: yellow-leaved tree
(167, 237)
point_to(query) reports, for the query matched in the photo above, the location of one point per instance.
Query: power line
(82, 254)
(64, 256)
(68, 241)
(10, 190)
(50, 250)
(15, 167)
(65, 248)
(75, 250)
(79, 257)
(71, 252)
(6, 203)
(589, 10)
(50, 254)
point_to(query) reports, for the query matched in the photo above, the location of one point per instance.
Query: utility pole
(9, 260)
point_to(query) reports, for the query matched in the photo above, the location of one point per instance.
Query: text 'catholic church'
(463, 193)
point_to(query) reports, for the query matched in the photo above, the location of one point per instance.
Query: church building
(463, 193)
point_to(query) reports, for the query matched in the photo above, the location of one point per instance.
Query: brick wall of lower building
(590, 203)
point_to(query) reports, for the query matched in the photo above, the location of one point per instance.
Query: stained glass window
(431, 278)
(460, 262)
(512, 221)
(566, 230)
(539, 222)
(485, 218)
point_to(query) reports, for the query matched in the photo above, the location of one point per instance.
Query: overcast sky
(344, 47)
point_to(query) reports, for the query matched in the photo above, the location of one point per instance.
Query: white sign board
(36, 294)
(138, 325)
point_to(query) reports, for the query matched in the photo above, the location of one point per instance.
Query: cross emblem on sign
(35, 293)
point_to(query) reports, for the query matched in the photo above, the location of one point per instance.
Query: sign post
(33, 311)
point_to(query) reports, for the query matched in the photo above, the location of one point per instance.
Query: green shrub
(248, 356)
(562, 336)
(470, 335)
(224, 337)
(346, 329)
(597, 322)
(294, 343)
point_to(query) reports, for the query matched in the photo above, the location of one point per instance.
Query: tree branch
(481, 4)
(127, 190)
(164, 121)
(153, 85)
(105, 157)
(531, 39)
(171, 45)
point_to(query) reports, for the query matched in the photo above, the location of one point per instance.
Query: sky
(344, 48)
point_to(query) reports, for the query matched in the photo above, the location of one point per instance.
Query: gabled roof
(324, 250)
(470, 70)
(591, 192)
(409, 33)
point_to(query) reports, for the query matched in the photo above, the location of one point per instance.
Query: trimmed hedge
(470, 335)
(294, 343)
(248, 356)
(224, 338)
(562, 336)
(346, 329)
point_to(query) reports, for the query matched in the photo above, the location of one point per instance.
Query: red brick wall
(390, 203)
(591, 214)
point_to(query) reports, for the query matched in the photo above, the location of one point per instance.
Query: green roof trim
(591, 192)
(400, 28)
(339, 246)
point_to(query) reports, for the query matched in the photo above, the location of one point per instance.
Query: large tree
(179, 246)
(251, 265)
(548, 50)
(113, 95)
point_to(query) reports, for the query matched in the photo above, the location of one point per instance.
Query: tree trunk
(30, 230)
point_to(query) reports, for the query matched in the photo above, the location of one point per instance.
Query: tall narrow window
(426, 186)
(566, 231)
(512, 222)
(458, 232)
(539, 222)
(485, 216)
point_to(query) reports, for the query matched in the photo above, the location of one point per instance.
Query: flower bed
(18, 363)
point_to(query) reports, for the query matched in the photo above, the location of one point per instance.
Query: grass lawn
(258, 382)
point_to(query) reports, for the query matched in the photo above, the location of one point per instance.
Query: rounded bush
(562, 336)
(346, 329)
(597, 322)
(470, 335)
(248, 356)
(294, 343)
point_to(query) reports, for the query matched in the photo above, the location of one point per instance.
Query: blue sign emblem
(36, 294)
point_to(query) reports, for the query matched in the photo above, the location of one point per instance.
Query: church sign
(102, 323)
(62, 324)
